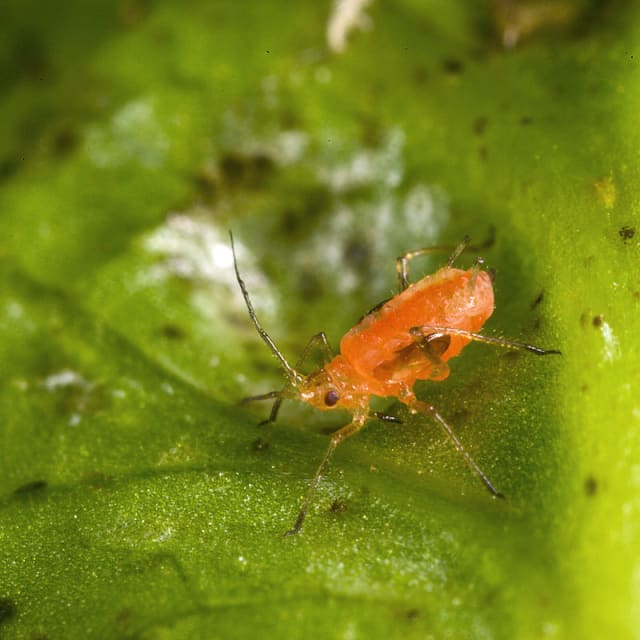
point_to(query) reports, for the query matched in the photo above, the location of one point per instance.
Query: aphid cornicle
(407, 338)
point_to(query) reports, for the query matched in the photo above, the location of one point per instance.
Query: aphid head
(320, 390)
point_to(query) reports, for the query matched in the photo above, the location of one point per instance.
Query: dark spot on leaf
(584, 388)
(31, 487)
(64, 141)
(357, 253)
(8, 610)
(8, 167)
(173, 332)
(538, 299)
(483, 153)
(511, 355)
(597, 320)
(251, 171)
(626, 233)
(452, 66)
(206, 184)
(301, 208)
(590, 486)
(289, 119)
(480, 125)
(259, 445)
(412, 614)
(309, 284)
(525, 121)
(338, 506)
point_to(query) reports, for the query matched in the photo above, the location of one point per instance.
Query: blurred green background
(137, 498)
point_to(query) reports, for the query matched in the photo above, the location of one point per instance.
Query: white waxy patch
(134, 133)
(611, 349)
(346, 16)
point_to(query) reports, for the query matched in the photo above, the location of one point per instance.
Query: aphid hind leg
(504, 343)
(416, 406)
(341, 434)
(433, 346)
(402, 263)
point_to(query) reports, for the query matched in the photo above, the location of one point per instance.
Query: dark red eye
(331, 398)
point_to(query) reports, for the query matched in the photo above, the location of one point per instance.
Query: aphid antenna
(293, 376)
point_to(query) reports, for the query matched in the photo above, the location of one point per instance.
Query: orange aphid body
(410, 337)
(381, 356)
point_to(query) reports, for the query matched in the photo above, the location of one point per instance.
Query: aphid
(407, 338)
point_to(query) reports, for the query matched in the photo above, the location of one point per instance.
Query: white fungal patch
(382, 166)
(65, 378)
(194, 249)
(346, 16)
(134, 133)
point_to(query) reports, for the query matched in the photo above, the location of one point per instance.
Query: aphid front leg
(342, 434)
(417, 406)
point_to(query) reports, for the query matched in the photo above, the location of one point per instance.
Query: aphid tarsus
(409, 337)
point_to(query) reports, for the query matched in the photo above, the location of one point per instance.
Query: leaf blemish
(626, 233)
(8, 610)
(31, 487)
(173, 332)
(590, 486)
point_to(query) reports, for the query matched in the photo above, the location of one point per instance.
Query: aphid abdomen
(382, 343)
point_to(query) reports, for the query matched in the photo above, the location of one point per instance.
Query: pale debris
(346, 16)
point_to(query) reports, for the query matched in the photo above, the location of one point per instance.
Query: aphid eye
(331, 398)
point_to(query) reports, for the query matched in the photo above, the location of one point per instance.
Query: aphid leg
(402, 263)
(426, 330)
(416, 406)
(342, 434)
(433, 346)
(262, 396)
(318, 339)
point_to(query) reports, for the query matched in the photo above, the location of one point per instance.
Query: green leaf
(138, 499)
